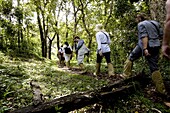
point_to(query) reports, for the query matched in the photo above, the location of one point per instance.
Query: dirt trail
(102, 75)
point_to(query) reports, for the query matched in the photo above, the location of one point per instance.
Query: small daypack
(154, 41)
(159, 29)
(67, 50)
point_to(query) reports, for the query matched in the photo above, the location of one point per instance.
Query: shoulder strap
(80, 45)
(155, 27)
(105, 35)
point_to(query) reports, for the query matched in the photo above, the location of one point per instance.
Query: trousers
(152, 59)
(106, 55)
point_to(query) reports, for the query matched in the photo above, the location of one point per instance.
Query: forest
(31, 33)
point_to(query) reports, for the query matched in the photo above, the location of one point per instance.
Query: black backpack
(67, 50)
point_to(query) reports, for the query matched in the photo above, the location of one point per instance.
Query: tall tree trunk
(67, 25)
(43, 28)
(58, 37)
(84, 23)
(19, 27)
(75, 17)
(19, 39)
(41, 34)
(58, 41)
(20, 34)
(50, 45)
(45, 31)
(56, 23)
(110, 12)
(157, 10)
(76, 20)
(85, 26)
(1, 42)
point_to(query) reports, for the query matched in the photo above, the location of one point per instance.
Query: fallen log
(76, 101)
(37, 95)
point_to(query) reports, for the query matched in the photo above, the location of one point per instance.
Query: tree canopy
(37, 28)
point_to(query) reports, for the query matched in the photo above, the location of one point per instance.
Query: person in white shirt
(103, 49)
(67, 53)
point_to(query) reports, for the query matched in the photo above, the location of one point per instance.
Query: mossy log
(71, 102)
(37, 95)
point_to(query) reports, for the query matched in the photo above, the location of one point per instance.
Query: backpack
(159, 29)
(155, 41)
(67, 50)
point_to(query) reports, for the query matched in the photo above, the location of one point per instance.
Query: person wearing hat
(81, 50)
(103, 49)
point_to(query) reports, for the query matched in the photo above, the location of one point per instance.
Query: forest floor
(143, 101)
(15, 91)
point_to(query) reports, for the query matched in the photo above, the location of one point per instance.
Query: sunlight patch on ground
(53, 81)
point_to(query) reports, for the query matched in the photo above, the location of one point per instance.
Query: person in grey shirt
(149, 34)
(81, 50)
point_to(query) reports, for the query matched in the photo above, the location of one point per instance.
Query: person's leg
(109, 64)
(98, 64)
(69, 66)
(67, 59)
(68, 63)
(62, 61)
(153, 65)
(80, 59)
(134, 55)
(59, 58)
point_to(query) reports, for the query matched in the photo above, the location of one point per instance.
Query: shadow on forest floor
(54, 83)
(146, 100)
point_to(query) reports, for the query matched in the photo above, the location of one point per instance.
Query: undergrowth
(16, 74)
(15, 90)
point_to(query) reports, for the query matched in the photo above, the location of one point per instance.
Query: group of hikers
(148, 46)
(65, 53)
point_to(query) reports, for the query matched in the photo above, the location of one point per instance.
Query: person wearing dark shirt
(67, 50)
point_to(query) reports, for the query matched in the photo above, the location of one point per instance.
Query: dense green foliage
(16, 75)
(27, 28)
(31, 32)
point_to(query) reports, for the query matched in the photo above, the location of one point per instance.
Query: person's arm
(143, 35)
(145, 45)
(166, 37)
(70, 48)
(98, 41)
(99, 50)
